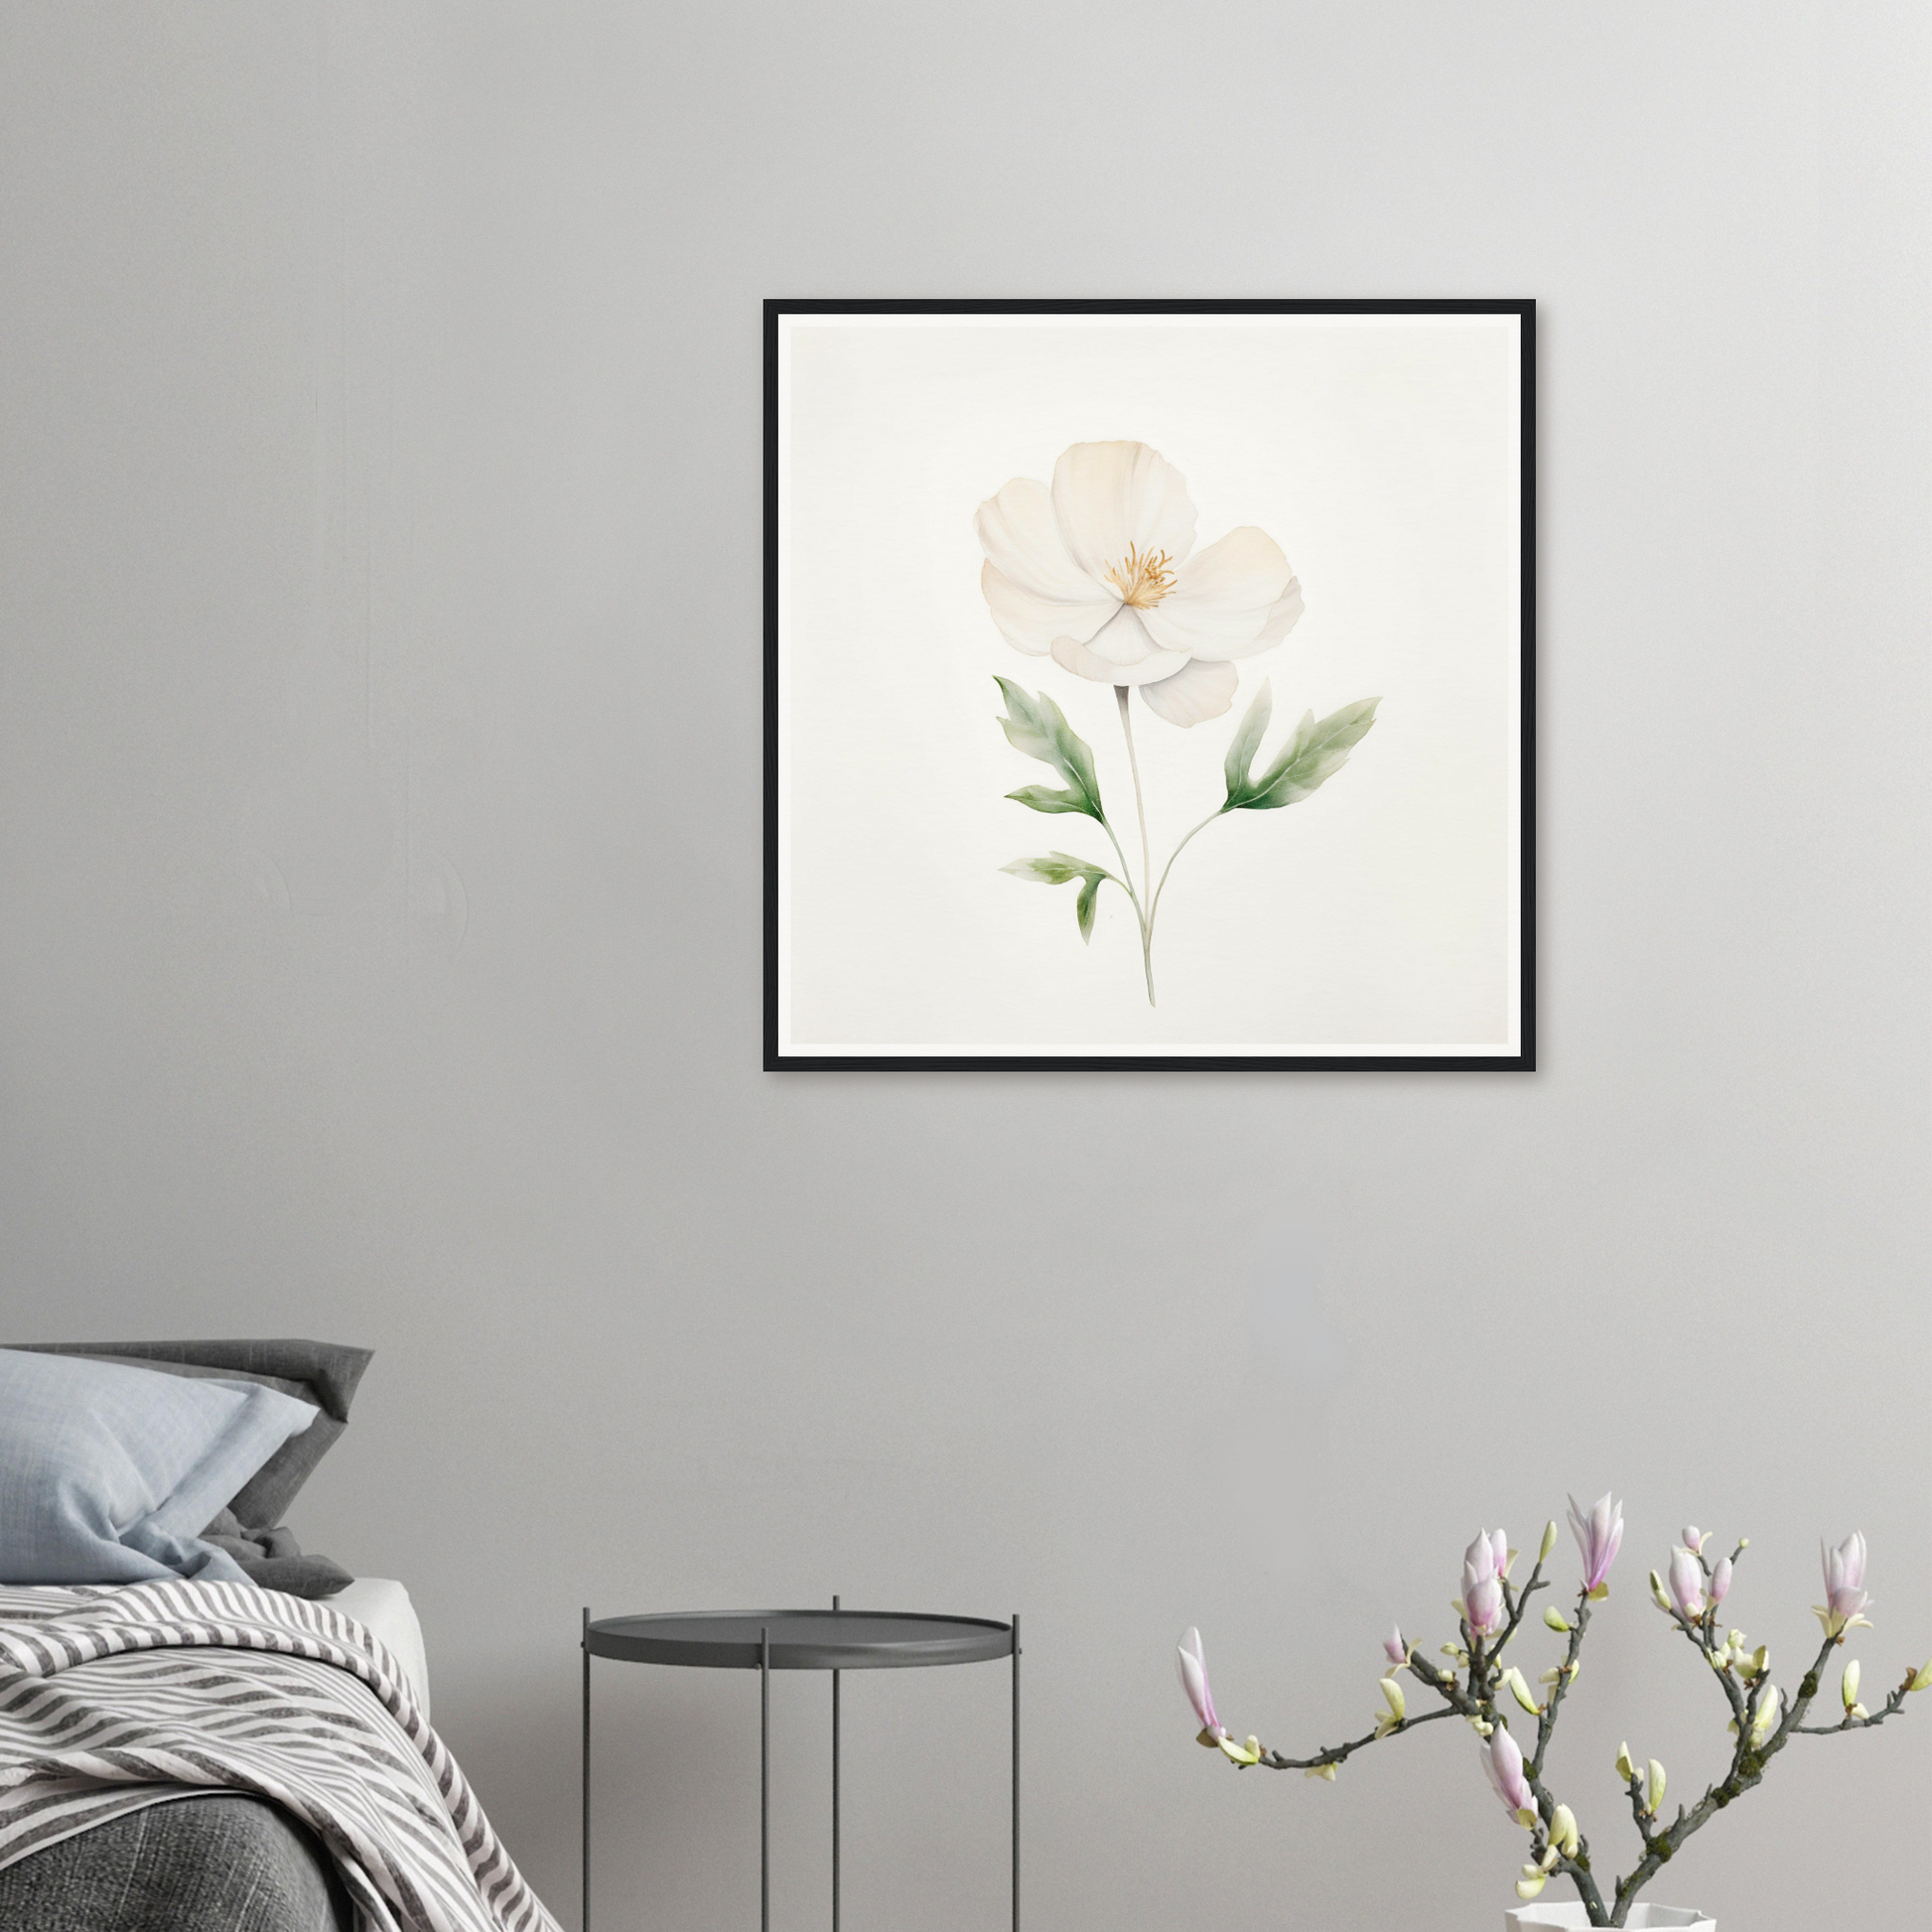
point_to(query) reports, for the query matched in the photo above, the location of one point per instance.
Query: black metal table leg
(835, 1793)
(764, 1781)
(586, 1921)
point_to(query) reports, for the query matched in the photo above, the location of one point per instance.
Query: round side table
(834, 1640)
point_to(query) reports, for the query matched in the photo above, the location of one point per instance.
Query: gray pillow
(275, 1560)
(322, 1373)
(109, 1472)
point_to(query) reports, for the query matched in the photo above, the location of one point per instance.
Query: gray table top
(800, 1639)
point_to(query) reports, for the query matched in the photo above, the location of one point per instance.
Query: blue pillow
(109, 1474)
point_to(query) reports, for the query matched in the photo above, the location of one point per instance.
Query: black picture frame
(1522, 1062)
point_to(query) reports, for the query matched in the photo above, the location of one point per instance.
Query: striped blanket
(112, 1699)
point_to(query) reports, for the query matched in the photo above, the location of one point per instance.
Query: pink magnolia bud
(1482, 1589)
(1394, 1648)
(1599, 1536)
(1845, 1577)
(1502, 1764)
(1686, 1582)
(1694, 1539)
(1720, 1581)
(1483, 1602)
(1194, 1680)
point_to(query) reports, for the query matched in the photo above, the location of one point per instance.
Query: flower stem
(1125, 882)
(1168, 867)
(1147, 851)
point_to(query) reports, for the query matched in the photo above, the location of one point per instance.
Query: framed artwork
(1149, 684)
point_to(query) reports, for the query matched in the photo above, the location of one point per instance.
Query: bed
(214, 1732)
(214, 1861)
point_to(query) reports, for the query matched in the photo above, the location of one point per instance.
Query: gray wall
(382, 940)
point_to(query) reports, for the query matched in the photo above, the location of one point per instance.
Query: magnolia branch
(1868, 1723)
(1485, 1692)
(1747, 1767)
(1573, 1864)
(1339, 1753)
(1751, 1705)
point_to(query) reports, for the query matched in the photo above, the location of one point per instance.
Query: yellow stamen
(1143, 578)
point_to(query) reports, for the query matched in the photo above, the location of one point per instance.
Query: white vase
(1573, 1918)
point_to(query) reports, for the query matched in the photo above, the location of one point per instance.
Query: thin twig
(1868, 1722)
(1574, 1866)
(1338, 1753)
(1546, 1724)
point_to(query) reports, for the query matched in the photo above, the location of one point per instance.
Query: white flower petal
(1224, 598)
(1193, 696)
(1072, 655)
(1029, 622)
(1123, 639)
(1110, 498)
(1021, 539)
(1283, 617)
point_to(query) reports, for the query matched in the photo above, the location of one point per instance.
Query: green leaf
(1043, 798)
(1084, 905)
(1061, 869)
(1247, 741)
(1313, 756)
(1056, 868)
(1037, 726)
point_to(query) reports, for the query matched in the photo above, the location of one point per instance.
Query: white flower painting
(1083, 596)
(1100, 574)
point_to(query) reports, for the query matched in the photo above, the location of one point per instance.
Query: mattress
(382, 1605)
